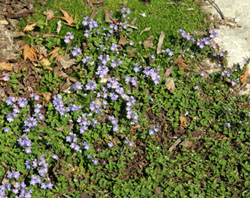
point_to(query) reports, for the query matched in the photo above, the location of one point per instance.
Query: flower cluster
(24, 141)
(153, 74)
(41, 166)
(153, 131)
(84, 122)
(68, 37)
(73, 140)
(58, 104)
(114, 123)
(132, 80)
(19, 189)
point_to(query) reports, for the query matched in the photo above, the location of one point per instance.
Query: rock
(7, 47)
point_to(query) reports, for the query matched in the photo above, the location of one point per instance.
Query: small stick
(217, 8)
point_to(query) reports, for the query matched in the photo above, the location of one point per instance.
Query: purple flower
(55, 157)
(228, 124)
(151, 132)
(203, 74)
(30, 122)
(233, 83)
(76, 51)
(9, 117)
(86, 146)
(68, 37)
(36, 97)
(77, 86)
(113, 96)
(95, 161)
(110, 144)
(6, 77)
(10, 100)
(91, 85)
(6, 129)
(113, 47)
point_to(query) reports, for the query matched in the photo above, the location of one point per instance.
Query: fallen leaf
(6, 66)
(54, 53)
(49, 14)
(30, 53)
(133, 21)
(29, 27)
(149, 42)
(186, 143)
(178, 141)
(90, 3)
(182, 4)
(65, 61)
(94, 13)
(132, 26)
(181, 63)
(190, 9)
(4, 22)
(145, 30)
(122, 41)
(67, 17)
(170, 84)
(45, 62)
(168, 72)
(108, 16)
(59, 26)
(65, 86)
(46, 96)
(171, 3)
(243, 78)
(183, 121)
(131, 54)
(161, 38)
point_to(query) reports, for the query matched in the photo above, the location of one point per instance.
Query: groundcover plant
(125, 117)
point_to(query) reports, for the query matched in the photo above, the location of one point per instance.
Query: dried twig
(217, 9)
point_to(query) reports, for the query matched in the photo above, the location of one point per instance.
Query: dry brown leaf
(133, 21)
(133, 26)
(131, 54)
(170, 84)
(54, 53)
(178, 141)
(187, 143)
(30, 53)
(149, 42)
(45, 62)
(161, 38)
(183, 121)
(94, 13)
(181, 63)
(49, 14)
(122, 41)
(108, 15)
(145, 30)
(46, 96)
(29, 27)
(65, 86)
(171, 3)
(243, 78)
(6, 66)
(67, 17)
(90, 3)
(168, 72)
(65, 61)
